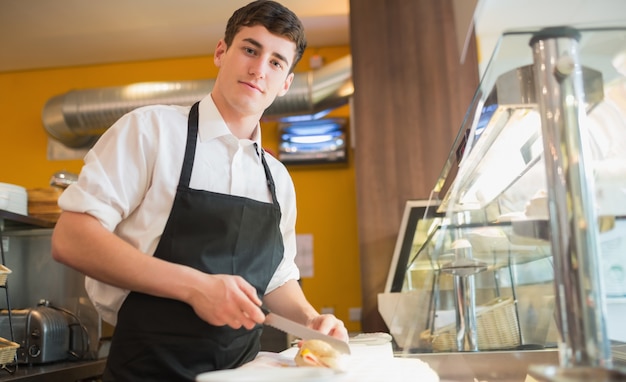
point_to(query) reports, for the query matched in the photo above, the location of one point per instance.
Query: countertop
(376, 363)
(56, 372)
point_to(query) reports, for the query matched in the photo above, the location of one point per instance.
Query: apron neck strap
(268, 175)
(190, 150)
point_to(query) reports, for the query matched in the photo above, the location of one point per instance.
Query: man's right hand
(227, 300)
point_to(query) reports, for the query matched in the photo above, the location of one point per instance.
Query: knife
(299, 330)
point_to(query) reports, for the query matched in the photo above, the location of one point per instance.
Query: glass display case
(525, 233)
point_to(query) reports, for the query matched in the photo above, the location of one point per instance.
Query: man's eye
(249, 50)
(277, 64)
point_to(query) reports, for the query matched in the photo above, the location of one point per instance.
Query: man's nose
(258, 68)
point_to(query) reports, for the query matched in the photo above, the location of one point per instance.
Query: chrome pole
(463, 269)
(465, 305)
(579, 291)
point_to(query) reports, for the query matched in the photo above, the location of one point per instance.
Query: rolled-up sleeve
(114, 178)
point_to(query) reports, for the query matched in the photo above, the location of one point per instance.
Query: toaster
(42, 332)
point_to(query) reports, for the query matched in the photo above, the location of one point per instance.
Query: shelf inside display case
(498, 155)
(506, 144)
(487, 238)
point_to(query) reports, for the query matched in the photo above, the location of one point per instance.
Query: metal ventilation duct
(79, 117)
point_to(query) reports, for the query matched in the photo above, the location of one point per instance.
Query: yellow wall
(326, 194)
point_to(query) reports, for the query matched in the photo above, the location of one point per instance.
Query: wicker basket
(4, 274)
(496, 325)
(7, 351)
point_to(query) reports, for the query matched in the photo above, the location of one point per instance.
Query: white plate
(12, 187)
(279, 374)
(17, 208)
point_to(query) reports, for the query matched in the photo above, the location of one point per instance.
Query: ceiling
(37, 34)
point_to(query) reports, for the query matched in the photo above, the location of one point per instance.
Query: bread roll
(318, 353)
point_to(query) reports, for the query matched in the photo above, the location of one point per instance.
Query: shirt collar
(211, 125)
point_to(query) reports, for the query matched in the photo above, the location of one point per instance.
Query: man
(185, 210)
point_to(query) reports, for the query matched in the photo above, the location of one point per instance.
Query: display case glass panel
(483, 275)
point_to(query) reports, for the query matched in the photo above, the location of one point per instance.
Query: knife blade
(286, 325)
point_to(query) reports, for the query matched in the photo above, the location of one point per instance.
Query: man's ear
(220, 49)
(286, 85)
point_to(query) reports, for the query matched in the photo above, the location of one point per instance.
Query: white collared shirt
(129, 180)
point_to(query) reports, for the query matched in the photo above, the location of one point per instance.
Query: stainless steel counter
(497, 366)
(57, 372)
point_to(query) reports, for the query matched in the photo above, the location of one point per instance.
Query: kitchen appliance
(43, 333)
(63, 179)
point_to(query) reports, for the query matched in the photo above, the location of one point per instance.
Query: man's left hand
(329, 324)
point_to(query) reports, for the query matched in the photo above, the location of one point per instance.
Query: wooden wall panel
(411, 93)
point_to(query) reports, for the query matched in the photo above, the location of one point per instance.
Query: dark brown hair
(275, 17)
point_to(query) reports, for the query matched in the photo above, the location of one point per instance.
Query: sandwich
(318, 353)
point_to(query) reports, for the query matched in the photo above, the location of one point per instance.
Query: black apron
(159, 339)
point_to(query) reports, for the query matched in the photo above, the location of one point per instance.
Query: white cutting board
(367, 363)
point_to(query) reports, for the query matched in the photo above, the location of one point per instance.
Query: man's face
(254, 70)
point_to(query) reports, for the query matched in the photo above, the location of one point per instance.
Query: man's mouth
(253, 86)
